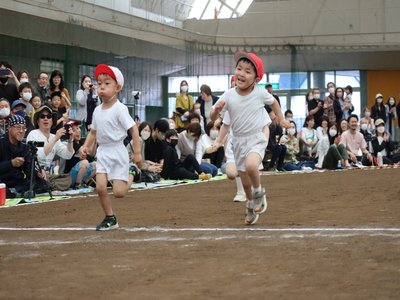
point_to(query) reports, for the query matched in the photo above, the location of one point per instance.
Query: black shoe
(109, 222)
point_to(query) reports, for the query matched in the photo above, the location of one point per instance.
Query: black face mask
(173, 143)
(3, 80)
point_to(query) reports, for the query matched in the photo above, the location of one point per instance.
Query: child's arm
(223, 131)
(137, 153)
(216, 109)
(278, 113)
(89, 145)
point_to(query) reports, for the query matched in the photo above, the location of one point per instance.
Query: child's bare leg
(231, 171)
(253, 162)
(120, 187)
(246, 182)
(101, 188)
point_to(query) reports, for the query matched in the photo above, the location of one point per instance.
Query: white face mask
(291, 131)
(381, 129)
(391, 102)
(145, 135)
(23, 80)
(364, 126)
(379, 100)
(289, 119)
(26, 96)
(316, 96)
(367, 114)
(331, 90)
(214, 134)
(332, 132)
(4, 112)
(184, 88)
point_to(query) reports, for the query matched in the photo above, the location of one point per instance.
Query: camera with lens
(36, 144)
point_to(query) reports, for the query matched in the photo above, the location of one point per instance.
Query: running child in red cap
(249, 125)
(111, 121)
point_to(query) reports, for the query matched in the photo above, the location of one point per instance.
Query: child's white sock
(239, 185)
(257, 189)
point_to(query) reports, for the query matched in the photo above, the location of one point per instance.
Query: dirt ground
(332, 235)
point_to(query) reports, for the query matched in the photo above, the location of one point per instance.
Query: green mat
(37, 199)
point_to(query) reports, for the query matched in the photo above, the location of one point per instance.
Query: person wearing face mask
(342, 107)
(155, 144)
(315, 107)
(145, 132)
(8, 89)
(379, 111)
(366, 133)
(25, 92)
(184, 103)
(23, 76)
(206, 101)
(391, 108)
(4, 114)
(336, 152)
(189, 144)
(368, 120)
(329, 100)
(176, 169)
(212, 151)
(382, 144)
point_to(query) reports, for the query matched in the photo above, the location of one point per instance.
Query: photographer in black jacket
(15, 157)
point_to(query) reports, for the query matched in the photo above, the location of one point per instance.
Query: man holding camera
(8, 90)
(15, 157)
(44, 120)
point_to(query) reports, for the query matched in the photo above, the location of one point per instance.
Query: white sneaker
(240, 197)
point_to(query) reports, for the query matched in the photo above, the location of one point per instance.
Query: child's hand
(284, 123)
(83, 152)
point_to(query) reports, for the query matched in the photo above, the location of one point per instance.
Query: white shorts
(113, 160)
(242, 146)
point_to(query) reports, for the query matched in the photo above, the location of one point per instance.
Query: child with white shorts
(249, 124)
(111, 121)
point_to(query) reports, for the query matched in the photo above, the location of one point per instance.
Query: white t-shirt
(111, 124)
(59, 148)
(247, 113)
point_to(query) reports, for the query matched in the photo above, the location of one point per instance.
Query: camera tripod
(34, 164)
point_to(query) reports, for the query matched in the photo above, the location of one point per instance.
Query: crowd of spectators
(182, 146)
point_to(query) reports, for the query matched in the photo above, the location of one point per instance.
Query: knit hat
(111, 71)
(255, 60)
(15, 120)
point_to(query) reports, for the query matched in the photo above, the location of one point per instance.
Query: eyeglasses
(45, 116)
(19, 128)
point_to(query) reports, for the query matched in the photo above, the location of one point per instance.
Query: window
(289, 81)
(49, 66)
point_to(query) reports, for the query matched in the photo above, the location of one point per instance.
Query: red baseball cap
(111, 71)
(255, 60)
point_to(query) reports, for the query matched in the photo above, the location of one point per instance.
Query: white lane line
(213, 229)
(188, 239)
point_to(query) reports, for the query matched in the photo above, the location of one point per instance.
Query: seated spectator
(355, 144)
(187, 144)
(195, 117)
(309, 137)
(343, 126)
(81, 170)
(43, 121)
(277, 149)
(176, 169)
(336, 152)
(323, 141)
(145, 132)
(8, 89)
(154, 145)
(15, 158)
(366, 133)
(5, 112)
(215, 153)
(370, 127)
(382, 144)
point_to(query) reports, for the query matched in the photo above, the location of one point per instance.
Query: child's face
(36, 102)
(107, 87)
(245, 75)
(56, 102)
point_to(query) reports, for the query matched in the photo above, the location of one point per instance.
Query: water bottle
(379, 159)
(339, 164)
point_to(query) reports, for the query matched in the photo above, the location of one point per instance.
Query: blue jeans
(209, 168)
